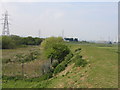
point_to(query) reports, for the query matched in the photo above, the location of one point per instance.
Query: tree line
(14, 41)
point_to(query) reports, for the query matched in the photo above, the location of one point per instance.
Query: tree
(31, 41)
(37, 41)
(8, 42)
(47, 43)
(54, 48)
(13, 41)
(17, 39)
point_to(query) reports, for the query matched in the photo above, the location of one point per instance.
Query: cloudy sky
(85, 20)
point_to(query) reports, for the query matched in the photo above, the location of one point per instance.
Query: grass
(100, 72)
(31, 69)
(104, 66)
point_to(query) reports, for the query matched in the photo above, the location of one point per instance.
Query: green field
(100, 72)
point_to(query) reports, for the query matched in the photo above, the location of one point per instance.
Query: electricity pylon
(5, 24)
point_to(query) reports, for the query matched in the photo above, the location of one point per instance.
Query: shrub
(68, 57)
(54, 48)
(8, 42)
(17, 39)
(58, 51)
(55, 63)
(60, 67)
(6, 60)
(78, 49)
(63, 64)
(79, 61)
(51, 40)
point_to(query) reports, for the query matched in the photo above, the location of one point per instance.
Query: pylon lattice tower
(5, 25)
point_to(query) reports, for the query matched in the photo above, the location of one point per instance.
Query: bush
(68, 57)
(60, 67)
(54, 48)
(47, 43)
(79, 61)
(55, 63)
(78, 49)
(63, 64)
(6, 60)
(17, 39)
(8, 42)
(31, 41)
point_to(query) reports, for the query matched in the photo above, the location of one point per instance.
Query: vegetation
(63, 64)
(47, 42)
(79, 61)
(60, 67)
(13, 41)
(31, 41)
(54, 48)
(55, 63)
(12, 60)
(8, 43)
(83, 66)
(22, 57)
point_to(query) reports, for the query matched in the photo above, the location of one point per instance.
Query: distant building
(104, 42)
(71, 39)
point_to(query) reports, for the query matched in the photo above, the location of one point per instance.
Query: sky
(83, 20)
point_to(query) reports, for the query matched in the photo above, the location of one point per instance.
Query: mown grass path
(104, 66)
